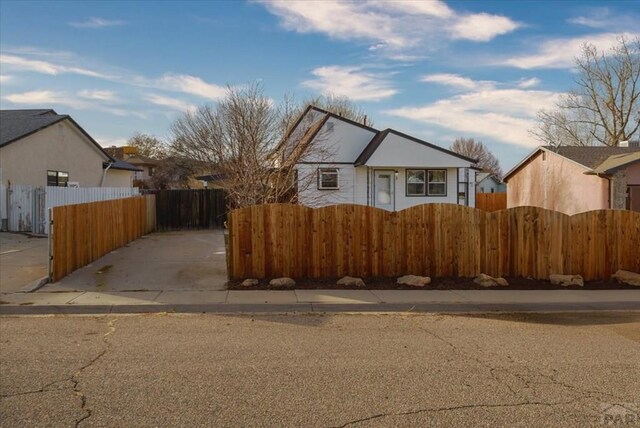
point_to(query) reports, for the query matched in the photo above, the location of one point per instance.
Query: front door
(383, 194)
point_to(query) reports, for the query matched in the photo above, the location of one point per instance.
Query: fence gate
(190, 209)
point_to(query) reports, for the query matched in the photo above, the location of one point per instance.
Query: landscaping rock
(485, 280)
(350, 281)
(627, 277)
(414, 280)
(282, 282)
(249, 282)
(566, 280)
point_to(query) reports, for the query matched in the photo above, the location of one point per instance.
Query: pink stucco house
(576, 179)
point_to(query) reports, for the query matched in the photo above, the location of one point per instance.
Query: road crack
(75, 378)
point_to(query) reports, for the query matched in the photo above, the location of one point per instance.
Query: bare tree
(477, 150)
(342, 106)
(247, 139)
(148, 145)
(604, 108)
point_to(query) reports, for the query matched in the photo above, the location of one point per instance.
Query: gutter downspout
(104, 174)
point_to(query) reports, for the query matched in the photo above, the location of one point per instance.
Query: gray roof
(16, 124)
(590, 156)
(120, 164)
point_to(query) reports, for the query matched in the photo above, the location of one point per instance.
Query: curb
(457, 308)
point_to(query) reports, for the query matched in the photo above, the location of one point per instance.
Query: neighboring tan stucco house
(489, 183)
(577, 179)
(130, 155)
(43, 148)
(350, 162)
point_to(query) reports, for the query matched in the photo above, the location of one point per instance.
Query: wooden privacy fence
(83, 233)
(433, 239)
(190, 209)
(491, 201)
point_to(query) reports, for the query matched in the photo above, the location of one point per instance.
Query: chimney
(623, 143)
(364, 121)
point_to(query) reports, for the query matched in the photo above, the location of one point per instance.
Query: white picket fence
(28, 206)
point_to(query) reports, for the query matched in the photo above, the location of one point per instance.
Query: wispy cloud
(21, 63)
(528, 83)
(457, 81)
(603, 18)
(388, 26)
(561, 52)
(504, 114)
(190, 85)
(98, 23)
(172, 103)
(71, 100)
(351, 82)
(5, 78)
(97, 95)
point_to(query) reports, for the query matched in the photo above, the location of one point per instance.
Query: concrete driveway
(186, 260)
(23, 260)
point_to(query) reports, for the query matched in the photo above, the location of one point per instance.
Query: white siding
(402, 152)
(310, 195)
(339, 141)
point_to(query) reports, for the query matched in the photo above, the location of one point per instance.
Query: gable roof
(588, 157)
(484, 175)
(616, 162)
(16, 124)
(382, 135)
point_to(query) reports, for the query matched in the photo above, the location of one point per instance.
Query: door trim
(393, 187)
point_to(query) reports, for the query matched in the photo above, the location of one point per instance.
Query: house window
(416, 182)
(437, 184)
(57, 178)
(327, 178)
(151, 171)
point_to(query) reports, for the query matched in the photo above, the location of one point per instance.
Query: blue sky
(434, 69)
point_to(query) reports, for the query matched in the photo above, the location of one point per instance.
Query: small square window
(57, 178)
(437, 185)
(327, 178)
(415, 182)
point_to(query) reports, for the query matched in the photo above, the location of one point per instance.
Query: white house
(349, 162)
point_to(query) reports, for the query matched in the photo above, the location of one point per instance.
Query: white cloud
(388, 26)
(20, 63)
(46, 98)
(190, 85)
(561, 53)
(5, 78)
(351, 82)
(111, 141)
(456, 81)
(98, 23)
(482, 27)
(528, 83)
(603, 18)
(503, 114)
(97, 95)
(172, 103)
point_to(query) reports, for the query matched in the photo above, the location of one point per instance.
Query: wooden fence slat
(275, 240)
(491, 201)
(83, 233)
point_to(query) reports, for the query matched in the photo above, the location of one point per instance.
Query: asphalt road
(319, 370)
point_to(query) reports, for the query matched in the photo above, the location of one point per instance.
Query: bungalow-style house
(487, 182)
(344, 161)
(44, 148)
(130, 155)
(576, 179)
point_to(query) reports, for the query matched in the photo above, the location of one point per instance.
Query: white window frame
(332, 171)
(436, 182)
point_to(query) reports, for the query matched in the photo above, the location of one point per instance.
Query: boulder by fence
(277, 240)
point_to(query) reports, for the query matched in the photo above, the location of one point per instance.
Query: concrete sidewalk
(319, 300)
